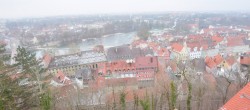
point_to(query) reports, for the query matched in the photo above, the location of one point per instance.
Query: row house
(69, 64)
(218, 64)
(143, 68)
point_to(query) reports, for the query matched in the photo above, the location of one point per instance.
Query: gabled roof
(177, 47)
(61, 78)
(210, 62)
(240, 101)
(218, 59)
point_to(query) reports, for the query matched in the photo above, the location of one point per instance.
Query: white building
(195, 53)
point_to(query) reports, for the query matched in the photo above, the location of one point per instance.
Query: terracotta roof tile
(234, 41)
(245, 60)
(210, 62)
(177, 47)
(218, 59)
(240, 101)
(217, 39)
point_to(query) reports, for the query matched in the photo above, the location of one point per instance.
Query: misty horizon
(13, 9)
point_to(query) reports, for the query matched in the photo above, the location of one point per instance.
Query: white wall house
(195, 53)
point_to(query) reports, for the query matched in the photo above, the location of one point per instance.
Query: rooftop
(125, 52)
(84, 57)
(240, 101)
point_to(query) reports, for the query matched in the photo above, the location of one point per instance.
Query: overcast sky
(41, 8)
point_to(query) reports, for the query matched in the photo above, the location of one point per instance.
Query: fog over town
(124, 55)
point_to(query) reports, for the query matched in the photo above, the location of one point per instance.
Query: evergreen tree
(173, 95)
(123, 100)
(25, 59)
(46, 101)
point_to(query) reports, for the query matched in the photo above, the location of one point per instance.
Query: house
(195, 52)
(218, 59)
(179, 51)
(143, 68)
(245, 60)
(69, 64)
(60, 79)
(231, 63)
(162, 52)
(240, 101)
(144, 64)
(211, 66)
(146, 67)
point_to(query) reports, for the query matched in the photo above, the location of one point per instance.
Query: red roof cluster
(234, 41)
(240, 101)
(217, 39)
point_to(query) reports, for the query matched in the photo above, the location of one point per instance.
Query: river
(106, 40)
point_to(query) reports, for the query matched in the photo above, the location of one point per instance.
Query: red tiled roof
(245, 60)
(163, 52)
(218, 59)
(240, 101)
(217, 39)
(234, 41)
(62, 78)
(210, 62)
(177, 47)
